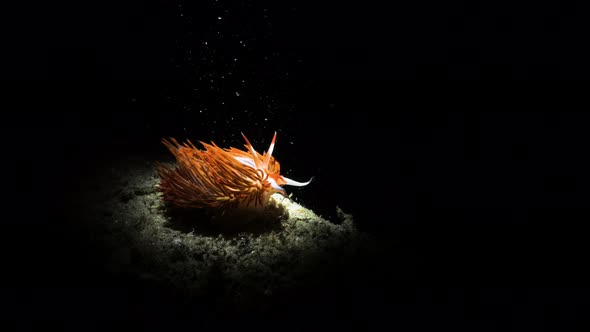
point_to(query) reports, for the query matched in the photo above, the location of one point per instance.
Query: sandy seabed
(257, 261)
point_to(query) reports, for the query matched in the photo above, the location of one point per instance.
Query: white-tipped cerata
(270, 149)
(253, 152)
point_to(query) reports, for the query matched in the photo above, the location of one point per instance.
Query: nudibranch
(220, 177)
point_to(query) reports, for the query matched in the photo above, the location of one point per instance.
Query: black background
(484, 182)
(394, 40)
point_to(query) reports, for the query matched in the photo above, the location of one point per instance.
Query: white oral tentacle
(296, 183)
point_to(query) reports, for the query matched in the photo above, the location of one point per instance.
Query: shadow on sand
(227, 223)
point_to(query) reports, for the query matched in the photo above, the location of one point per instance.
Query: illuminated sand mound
(242, 257)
